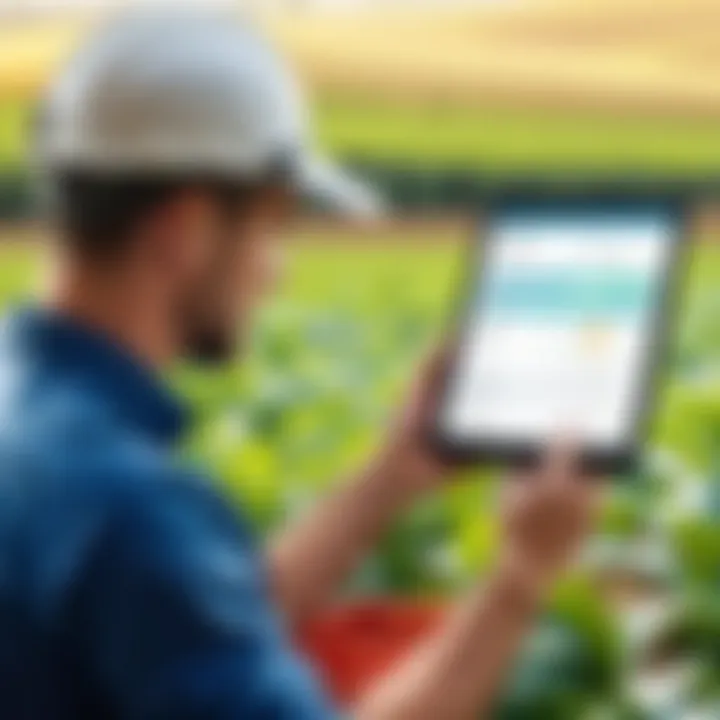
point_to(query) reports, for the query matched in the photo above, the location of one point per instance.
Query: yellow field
(661, 55)
(642, 55)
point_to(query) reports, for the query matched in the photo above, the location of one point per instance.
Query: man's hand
(459, 672)
(546, 516)
(408, 455)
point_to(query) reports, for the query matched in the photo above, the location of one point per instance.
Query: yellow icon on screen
(596, 338)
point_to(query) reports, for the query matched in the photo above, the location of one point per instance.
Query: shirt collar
(104, 368)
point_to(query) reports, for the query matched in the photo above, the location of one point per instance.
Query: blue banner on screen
(561, 325)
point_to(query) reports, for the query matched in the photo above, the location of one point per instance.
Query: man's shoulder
(65, 426)
(65, 451)
(56, 431)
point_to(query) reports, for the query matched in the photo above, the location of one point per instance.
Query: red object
(354, 646)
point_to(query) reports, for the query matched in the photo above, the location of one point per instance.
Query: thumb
(434, 375)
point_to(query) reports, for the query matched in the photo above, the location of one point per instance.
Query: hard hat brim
(337, 191)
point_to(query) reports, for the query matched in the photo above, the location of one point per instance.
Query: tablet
(566, 320)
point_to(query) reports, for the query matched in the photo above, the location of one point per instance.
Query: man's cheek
(269, 268)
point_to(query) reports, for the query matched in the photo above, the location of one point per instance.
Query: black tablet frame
(521, 454)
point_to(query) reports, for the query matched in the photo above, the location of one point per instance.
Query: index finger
(561, 462)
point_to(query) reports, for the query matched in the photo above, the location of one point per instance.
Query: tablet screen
(562, 324)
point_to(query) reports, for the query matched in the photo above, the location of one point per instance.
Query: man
(173, 146)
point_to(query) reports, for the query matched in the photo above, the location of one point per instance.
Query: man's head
(206, 246)
(175, 143)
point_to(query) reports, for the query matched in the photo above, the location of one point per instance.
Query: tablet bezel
(620, 460)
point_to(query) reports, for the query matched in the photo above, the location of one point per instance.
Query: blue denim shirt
(129, 589)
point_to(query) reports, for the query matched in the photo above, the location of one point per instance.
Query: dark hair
(97, 214)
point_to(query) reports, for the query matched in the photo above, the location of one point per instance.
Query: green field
(423, 134)
(494, 139)
(332, 356)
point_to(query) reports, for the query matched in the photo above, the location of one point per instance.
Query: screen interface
(561, 325)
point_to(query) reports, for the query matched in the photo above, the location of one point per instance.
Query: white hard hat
(171, 91)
